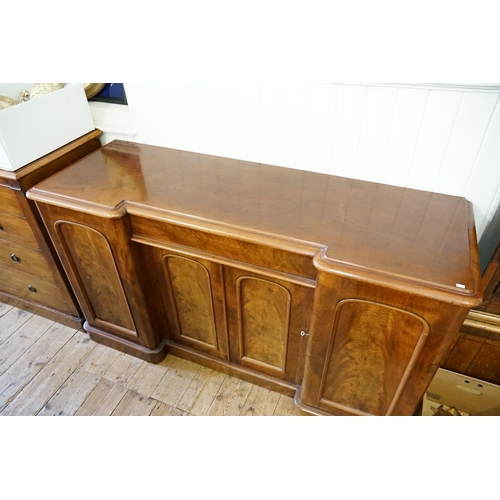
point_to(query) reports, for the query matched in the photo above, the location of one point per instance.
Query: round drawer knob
(1, 227)
(15, 258)
(31, 288)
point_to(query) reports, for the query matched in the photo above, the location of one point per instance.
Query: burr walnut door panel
(370, 355)
(194, 298)
(268, 321)
(96, 279)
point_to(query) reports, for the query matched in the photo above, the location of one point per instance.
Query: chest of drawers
(30, 270)
(343, 293)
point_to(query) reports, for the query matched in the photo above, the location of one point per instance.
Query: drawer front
(34, 289)
(9, 203)
(19, 258)
(234, 249)
(18, 231)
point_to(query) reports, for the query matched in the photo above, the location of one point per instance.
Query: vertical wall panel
(140, 98)
(225, 120)
(483, 222)
(204, 118)
(248, 121)
(379, 107)
(166, 128)
(322, 103)
(405, 128)
(431, 139)
(271, 123)
(485, 178)
(348, 123)
(473, 118)
(182, 105)
(435, 133)
(296, 109)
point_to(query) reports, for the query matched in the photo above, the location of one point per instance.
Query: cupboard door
(195, 302)
(371, 354)
(93, 270)
(267, 321)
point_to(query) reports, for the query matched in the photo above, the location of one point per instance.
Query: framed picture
(111, 92)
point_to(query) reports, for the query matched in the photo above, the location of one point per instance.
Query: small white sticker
(459, 285)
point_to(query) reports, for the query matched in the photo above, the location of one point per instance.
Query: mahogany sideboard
(30, 270)
(342, 293)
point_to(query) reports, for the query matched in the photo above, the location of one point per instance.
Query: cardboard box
(37, 127)
(454, 394)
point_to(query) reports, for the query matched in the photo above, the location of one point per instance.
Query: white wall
(439, 138)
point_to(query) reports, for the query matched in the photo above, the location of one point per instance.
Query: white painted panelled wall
(439, 138)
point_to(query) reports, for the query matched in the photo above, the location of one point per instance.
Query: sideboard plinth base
(151, 356)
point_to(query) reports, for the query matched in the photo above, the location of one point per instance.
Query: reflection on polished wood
(366, 228)
(344, 293)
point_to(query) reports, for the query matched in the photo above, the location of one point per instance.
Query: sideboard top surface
(408, 235)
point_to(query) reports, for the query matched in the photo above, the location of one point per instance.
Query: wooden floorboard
(21, 372)
(201, 392)
(103, 400)
(49, 369)
(231, 397)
